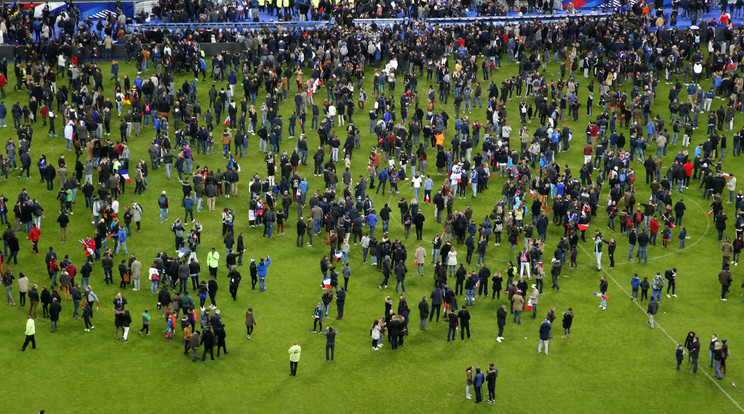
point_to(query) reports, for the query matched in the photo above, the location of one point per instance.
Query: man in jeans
(330, 335)
(163, 204)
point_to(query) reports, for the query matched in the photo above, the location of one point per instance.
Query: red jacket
(654, 225)
(34, 234)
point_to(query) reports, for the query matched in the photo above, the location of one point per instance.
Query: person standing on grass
(318, 318)
(220, 334)
(87, 313)
(194, 343)
(568, 318)
(544, 336)
(33, 298)
(330, 335)
(423, 313)
(294, 358)
(603, 285)
(250, 321)
(680, 355)
(501, 322)
(464, 317)
(262, 268)
(468, 381)
(491, 375)
(452, 317)
(30, 333)
(340, 302)
(478, 384)
(694, 354)
(54, 310)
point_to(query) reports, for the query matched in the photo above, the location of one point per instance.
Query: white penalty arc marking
(698, 240)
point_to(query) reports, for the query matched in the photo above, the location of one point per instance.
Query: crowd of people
(407, 126)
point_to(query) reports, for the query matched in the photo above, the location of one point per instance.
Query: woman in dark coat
(567, 321)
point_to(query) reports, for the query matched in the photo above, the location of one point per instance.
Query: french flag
(182, 252)
(338, 255)
(540, 262)
(125, 175)
(600, 295)
(327, 283)
(227, 121)
(710, 212)
(583, 227)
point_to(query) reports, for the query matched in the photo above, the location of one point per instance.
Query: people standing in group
(491, 374)
(694, 354)
(468, 381)
(544, 333)
(568, 317)
(679, 353)
(478, 384)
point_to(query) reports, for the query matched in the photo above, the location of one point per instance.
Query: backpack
(660, 283)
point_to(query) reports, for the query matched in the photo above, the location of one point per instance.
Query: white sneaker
(724, 299)
(603, 308)
(498, 339)
(468, 397)
(374, 348)
(674, 296)
(87, 330)
(669, 296)
(92, 327)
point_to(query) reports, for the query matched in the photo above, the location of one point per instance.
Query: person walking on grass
(653, 309)
(250, 321)
(145, 323)
(207, 339)
(30, 333)
(568, 318)
(294, 358)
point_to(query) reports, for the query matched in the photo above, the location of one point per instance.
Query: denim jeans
(400, 283)
(154, 286)
(163, 214)
(262, 283)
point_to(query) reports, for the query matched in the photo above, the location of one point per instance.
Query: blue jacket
(545, 331)
(188, 203)
(122, 235)
(478, 380)
(372, 220)
(262, 266)
(635, 282)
